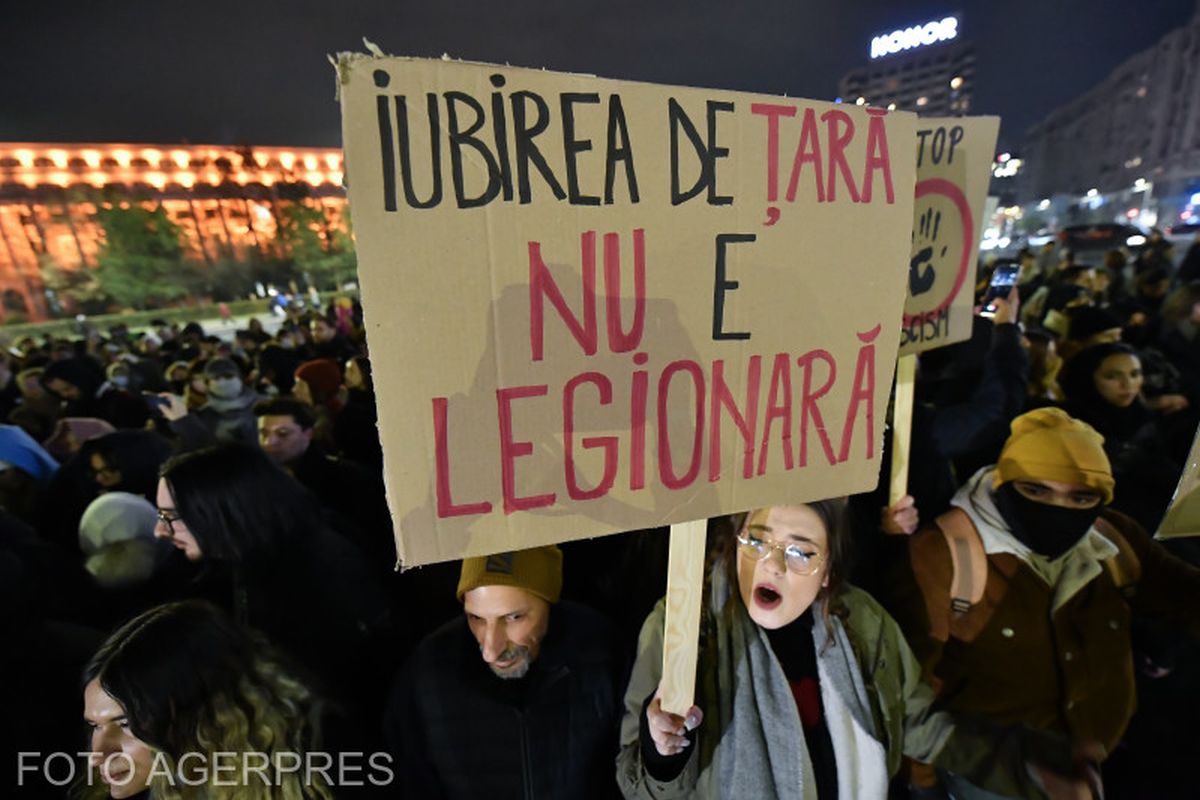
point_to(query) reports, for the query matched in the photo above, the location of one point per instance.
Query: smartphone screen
(1003, 279)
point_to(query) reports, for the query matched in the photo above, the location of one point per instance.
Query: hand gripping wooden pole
(681, 639)
(902, 405)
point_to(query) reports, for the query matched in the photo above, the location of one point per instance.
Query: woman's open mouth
(118, 778)
(767, 596)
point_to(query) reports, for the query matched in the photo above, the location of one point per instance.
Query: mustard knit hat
(538, 571)
(1048, 444)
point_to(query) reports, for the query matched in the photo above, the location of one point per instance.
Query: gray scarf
(756, 710)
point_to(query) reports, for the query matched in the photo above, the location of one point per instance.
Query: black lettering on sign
(721, 285)
(707, 152)
(940, 145)
(504, 134)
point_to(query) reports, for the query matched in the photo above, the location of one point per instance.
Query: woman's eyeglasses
(797, 558)
(168, 517)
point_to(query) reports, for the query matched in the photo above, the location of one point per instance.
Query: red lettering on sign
(542, 287)
(510, 450)
(838, 141)
(446, 506)
(808, 151)
(607, 443)
(809, 410)
(778, 409)
(722, 397)
(618, 340)
(877, 156)
(772, 112)
(666, 467)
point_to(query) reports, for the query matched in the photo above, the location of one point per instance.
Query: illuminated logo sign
(917, 36)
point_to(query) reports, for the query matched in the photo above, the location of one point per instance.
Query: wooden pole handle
(902, 405)
(681, 639)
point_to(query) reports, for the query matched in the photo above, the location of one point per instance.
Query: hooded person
(1018, 600)
(80, 383)
(116, 536)
(276, 369)
(227, 414)
(538, 678)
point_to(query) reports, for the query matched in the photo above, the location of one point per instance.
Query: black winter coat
(458, 731)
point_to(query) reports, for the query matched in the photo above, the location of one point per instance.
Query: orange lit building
(226, 201)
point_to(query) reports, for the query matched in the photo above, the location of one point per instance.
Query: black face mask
(1045, 529)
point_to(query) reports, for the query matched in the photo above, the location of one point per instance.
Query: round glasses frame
(794, 557)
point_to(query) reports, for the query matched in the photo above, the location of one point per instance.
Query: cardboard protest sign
(954, 160)
(1183, 515)
(595, 306)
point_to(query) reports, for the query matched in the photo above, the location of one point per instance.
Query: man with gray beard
(518, 698)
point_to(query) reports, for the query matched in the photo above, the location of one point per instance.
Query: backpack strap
(1125, 569)
(968, 558)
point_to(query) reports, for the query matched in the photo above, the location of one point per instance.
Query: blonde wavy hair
(191, 682)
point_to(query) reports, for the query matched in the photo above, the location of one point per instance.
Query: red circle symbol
(951, 192)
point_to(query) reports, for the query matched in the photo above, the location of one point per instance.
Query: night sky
(225, 72)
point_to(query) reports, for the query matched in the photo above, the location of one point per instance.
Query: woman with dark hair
(122, 461)
(269, 558)
(1103, 387)
(127, 461)
(356, 430)
(276, 370)
(179, 699)
(805, 686)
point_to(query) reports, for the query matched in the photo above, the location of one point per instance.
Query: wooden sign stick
(681, 639)
(906, 369)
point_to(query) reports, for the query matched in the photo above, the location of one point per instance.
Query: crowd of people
(197, 569)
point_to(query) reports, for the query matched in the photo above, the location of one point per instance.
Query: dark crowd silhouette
(200, 597)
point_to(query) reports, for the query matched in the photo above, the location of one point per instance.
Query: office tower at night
(1135, 136)
(926, 67)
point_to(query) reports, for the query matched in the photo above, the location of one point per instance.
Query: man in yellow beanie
(520, 697)
(507, 601)
(1018, 600)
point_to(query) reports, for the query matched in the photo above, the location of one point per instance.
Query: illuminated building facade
(927, 68)
(225, 200)
(1136, 131)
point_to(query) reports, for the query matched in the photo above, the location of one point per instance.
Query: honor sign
(917, 36)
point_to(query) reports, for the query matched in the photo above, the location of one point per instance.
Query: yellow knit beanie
(1048, 444)
(538, 571)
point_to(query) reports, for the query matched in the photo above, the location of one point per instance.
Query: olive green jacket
(751, 743)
